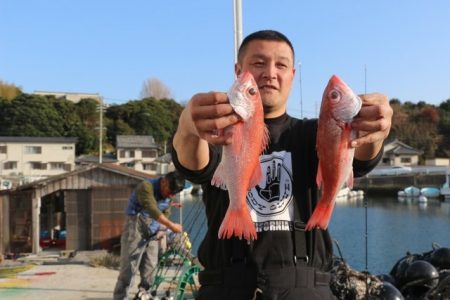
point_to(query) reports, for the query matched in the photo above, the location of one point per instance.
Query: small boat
(445, 189)
(430, 192)
(423, 199)
(412, 191)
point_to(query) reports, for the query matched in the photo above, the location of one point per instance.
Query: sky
(400, 48)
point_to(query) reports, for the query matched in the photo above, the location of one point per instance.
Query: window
(148, 153)
(36, 165)
(33, 149)
(67, 147)
(150, 167)
(3, 149)
(405, 159)
(56, 166)
(10, 165)
(126, 154)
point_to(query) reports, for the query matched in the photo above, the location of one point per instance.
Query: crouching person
(144, 230)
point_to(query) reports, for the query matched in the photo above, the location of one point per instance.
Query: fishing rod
(366, 233)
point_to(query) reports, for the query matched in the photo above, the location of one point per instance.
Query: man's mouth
(267, 87)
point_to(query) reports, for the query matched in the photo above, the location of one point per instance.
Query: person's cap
(176, 181)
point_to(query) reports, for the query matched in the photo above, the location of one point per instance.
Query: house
(85, 206)
(74, 97)
(30, 158)
(138, 152)
(397, 153)
(437, 161)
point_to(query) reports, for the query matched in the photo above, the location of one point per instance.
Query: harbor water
(393, 228)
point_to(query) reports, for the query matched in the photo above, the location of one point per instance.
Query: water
(394, 228)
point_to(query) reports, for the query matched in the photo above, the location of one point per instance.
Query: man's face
(271, 64)
(165, 188)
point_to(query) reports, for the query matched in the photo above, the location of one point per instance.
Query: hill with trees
(422, 126)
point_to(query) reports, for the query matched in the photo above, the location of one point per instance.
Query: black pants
(243, 283)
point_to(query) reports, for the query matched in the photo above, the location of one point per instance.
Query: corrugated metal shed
(91, 201)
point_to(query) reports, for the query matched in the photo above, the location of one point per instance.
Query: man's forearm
(192, 151)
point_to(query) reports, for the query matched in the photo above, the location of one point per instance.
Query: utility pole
(100, 133)
(237, 14)
(301, 91)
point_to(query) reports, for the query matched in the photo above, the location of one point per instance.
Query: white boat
(430, 192)
(423, 199)
(348, 194)
(445, 189)
(412, 191)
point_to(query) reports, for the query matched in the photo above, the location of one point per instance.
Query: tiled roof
(36, 139)
(135, 141)
(399, 148)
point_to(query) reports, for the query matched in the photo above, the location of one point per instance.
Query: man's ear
(237, 69)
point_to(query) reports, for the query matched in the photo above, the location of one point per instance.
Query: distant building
(32, 158)
(138, 152)
(74, 97)
(397, 153)
(438, 161)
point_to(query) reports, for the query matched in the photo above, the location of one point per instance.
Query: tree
(9, 91)
(154, 88)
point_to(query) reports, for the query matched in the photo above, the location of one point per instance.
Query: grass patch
(107, 260)
(11, 271)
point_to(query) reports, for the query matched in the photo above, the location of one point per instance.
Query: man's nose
(270, 71)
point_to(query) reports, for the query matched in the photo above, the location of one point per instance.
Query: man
(285, 262)
(147, 219)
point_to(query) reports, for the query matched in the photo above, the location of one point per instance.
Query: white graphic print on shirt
(271, 201)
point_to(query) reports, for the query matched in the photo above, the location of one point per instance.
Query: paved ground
(53, 282)
(51, 278)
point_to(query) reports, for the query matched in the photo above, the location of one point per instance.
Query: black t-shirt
(289, 166)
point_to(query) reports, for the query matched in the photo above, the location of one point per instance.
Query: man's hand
(175, 227)
(176, 204)
(372, 124)
(211, 113)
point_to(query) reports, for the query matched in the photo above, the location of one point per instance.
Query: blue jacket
(134, 207)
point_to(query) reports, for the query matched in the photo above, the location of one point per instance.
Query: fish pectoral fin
(256, 177)
(319, 179)
(218, 178)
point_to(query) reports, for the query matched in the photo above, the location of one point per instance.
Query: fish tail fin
(237, 222)
(321, 215)
(218, 177)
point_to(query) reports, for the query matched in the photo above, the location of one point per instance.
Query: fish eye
(334, 95)
(252, 91)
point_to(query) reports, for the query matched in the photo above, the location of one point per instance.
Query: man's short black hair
(176, 181)
(266, 35)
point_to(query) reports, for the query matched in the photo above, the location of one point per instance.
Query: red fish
(334, 133)
(240, 169)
